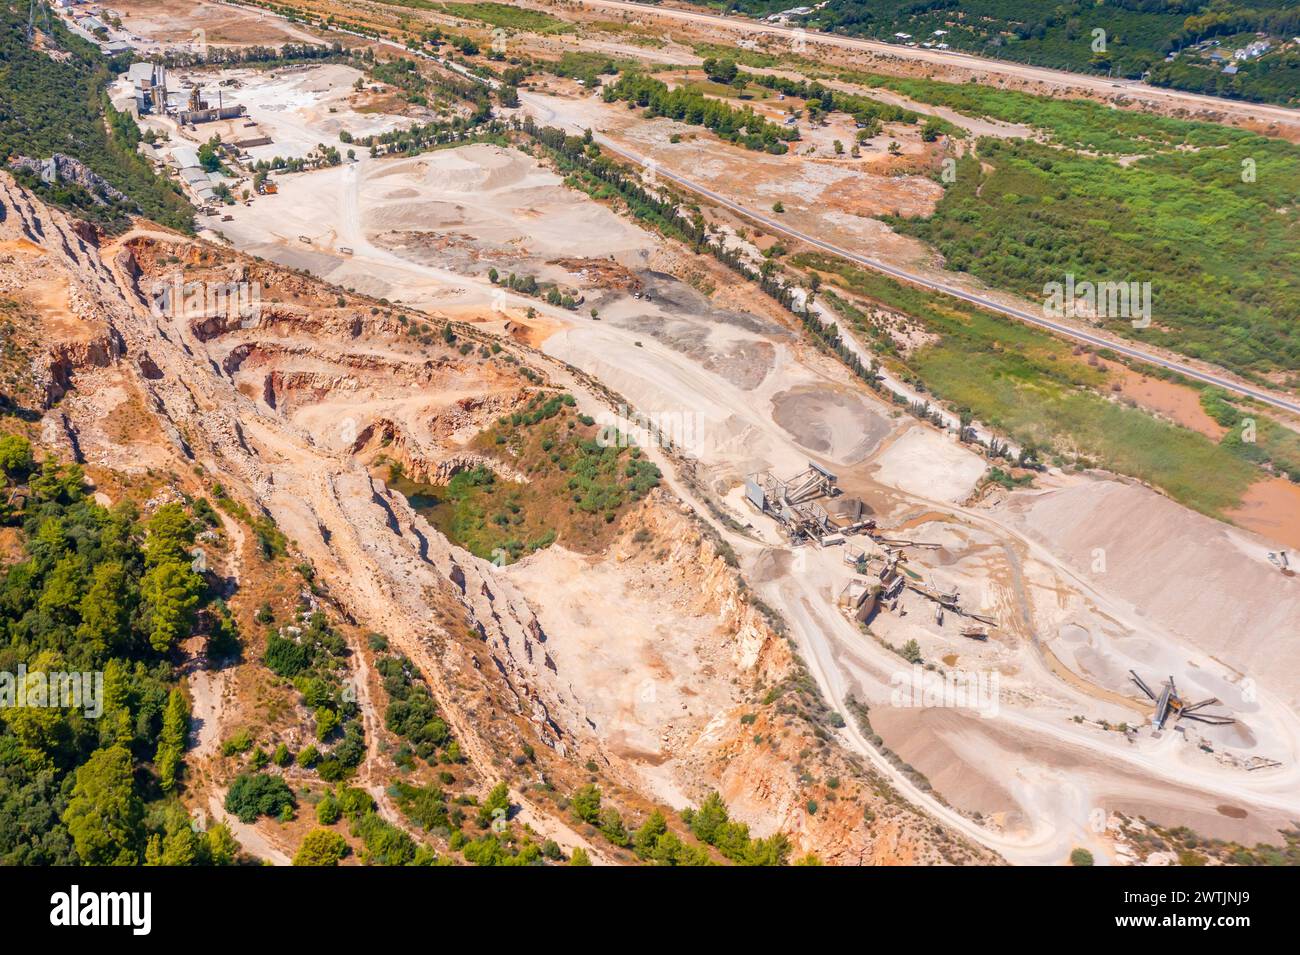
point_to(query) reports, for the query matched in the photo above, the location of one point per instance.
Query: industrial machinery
(1170, 704)
(796, 504)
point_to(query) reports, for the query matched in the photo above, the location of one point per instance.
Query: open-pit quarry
(788, 590)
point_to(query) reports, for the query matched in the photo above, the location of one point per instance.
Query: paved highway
(1098, 84)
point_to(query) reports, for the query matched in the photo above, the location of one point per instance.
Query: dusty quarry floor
(1207, 607)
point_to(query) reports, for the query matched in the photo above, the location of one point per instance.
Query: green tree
(105, 811)
(208, 158)
(321, 847)
(61, 594)
(106, 610)
(647, 837)
(38, 729)
(222, 848)
(327, 721)
(15, 455)
(579, 857)
(611, 826)
(178, 845)
(496, 806)
(171, 742)
(170, 592)
(707, 821)
(170, 535)
(586, 803)
(258, 794)
(328, 810)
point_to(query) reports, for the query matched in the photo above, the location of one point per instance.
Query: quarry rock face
(61, 168)
(292, 416)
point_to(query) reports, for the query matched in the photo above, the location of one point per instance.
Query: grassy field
(1210, 216)
(1035, 389)
(494, 14)
(508, 17)
(1252, 435)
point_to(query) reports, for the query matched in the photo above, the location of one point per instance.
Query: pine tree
(171, 743)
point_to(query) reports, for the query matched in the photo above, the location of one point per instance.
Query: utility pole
(31, 20)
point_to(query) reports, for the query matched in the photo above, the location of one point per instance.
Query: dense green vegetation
(52, 106)
(585, 65)
(741, 126)
(1222, 255)
(105, 593)
(818, 99)
(1028, 385)
(413, 716)
(712, 824)
(654, 842)
(509, 17)
(321, 847)
(315, 658)
(495, 14)
(261, 57)
(426, 807)
(578, 484)
(1138, 35)
(1273, 78)
(1253, 436)
(259, 794)
(382, 842)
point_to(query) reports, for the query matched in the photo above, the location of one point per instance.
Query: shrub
(321, 847)
(258, 794)
(586, 804)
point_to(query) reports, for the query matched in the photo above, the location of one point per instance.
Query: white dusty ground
(494, 208)
(930, 465)
(763, 401)
(305, 106)
(299, 108)
(646, 676)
